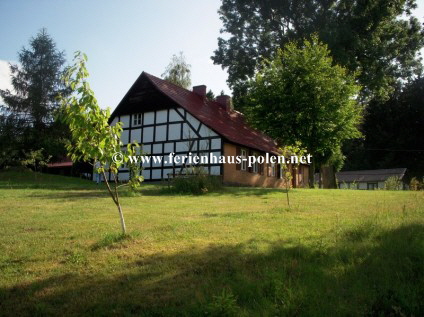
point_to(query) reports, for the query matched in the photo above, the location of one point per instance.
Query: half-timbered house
(166, 118)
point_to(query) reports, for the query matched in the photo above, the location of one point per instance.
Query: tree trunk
(312, 174)
(115, 197)
(288, 199)
(328, 177)
(121, 216)
(118, 204)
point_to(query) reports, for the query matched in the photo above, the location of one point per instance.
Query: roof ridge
(230, 125)
(374, 170)
(186, 90)
(216, 104)
(168, 82)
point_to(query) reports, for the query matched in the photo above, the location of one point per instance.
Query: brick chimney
(200, 90)
(225, 102)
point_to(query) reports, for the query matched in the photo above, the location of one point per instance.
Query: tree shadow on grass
(35, 180)
(101, 192)
(159, 190)
(366, 273)
(71, 195)
(48, 186)
(253, 191)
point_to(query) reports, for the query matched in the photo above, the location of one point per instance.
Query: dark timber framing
(194, 142)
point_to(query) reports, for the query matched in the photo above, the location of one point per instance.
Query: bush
(415, 184)
(35, 159)
(393, 183)
(196, 182)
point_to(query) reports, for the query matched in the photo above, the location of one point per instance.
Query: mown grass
(238, 252)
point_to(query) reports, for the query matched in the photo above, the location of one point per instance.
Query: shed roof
(379, 175)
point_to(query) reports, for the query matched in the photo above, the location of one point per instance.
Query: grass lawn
(239, 252)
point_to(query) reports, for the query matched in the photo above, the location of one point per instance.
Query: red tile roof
(60, 164)
(230, 125)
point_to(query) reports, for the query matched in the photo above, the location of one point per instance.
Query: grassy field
(239, 252)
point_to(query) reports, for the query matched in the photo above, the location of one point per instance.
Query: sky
(121, 38)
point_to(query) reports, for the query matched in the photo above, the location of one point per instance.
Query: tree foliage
(378, 38)
(210, 95)
(178, 71)
(300, 96)
(30, 108)
(393, 183)
(93, 139)
(36, 81)
(393, 132)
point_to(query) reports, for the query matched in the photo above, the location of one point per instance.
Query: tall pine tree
(30, 108)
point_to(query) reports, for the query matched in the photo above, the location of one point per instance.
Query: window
(137, 119)
(372, 186)
(273, 169)
(243, 160)
(282, 171)
(255, 168)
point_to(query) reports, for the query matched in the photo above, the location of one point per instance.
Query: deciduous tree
(379, 38)
(300, 96)
(178, 71)
(93, 139)
(393, 132)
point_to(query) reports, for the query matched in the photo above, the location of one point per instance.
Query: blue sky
(121, 38)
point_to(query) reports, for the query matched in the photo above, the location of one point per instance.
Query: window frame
(137, 119)
(282, 172)
(372, 185)
(255, 167)
(243, 165)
